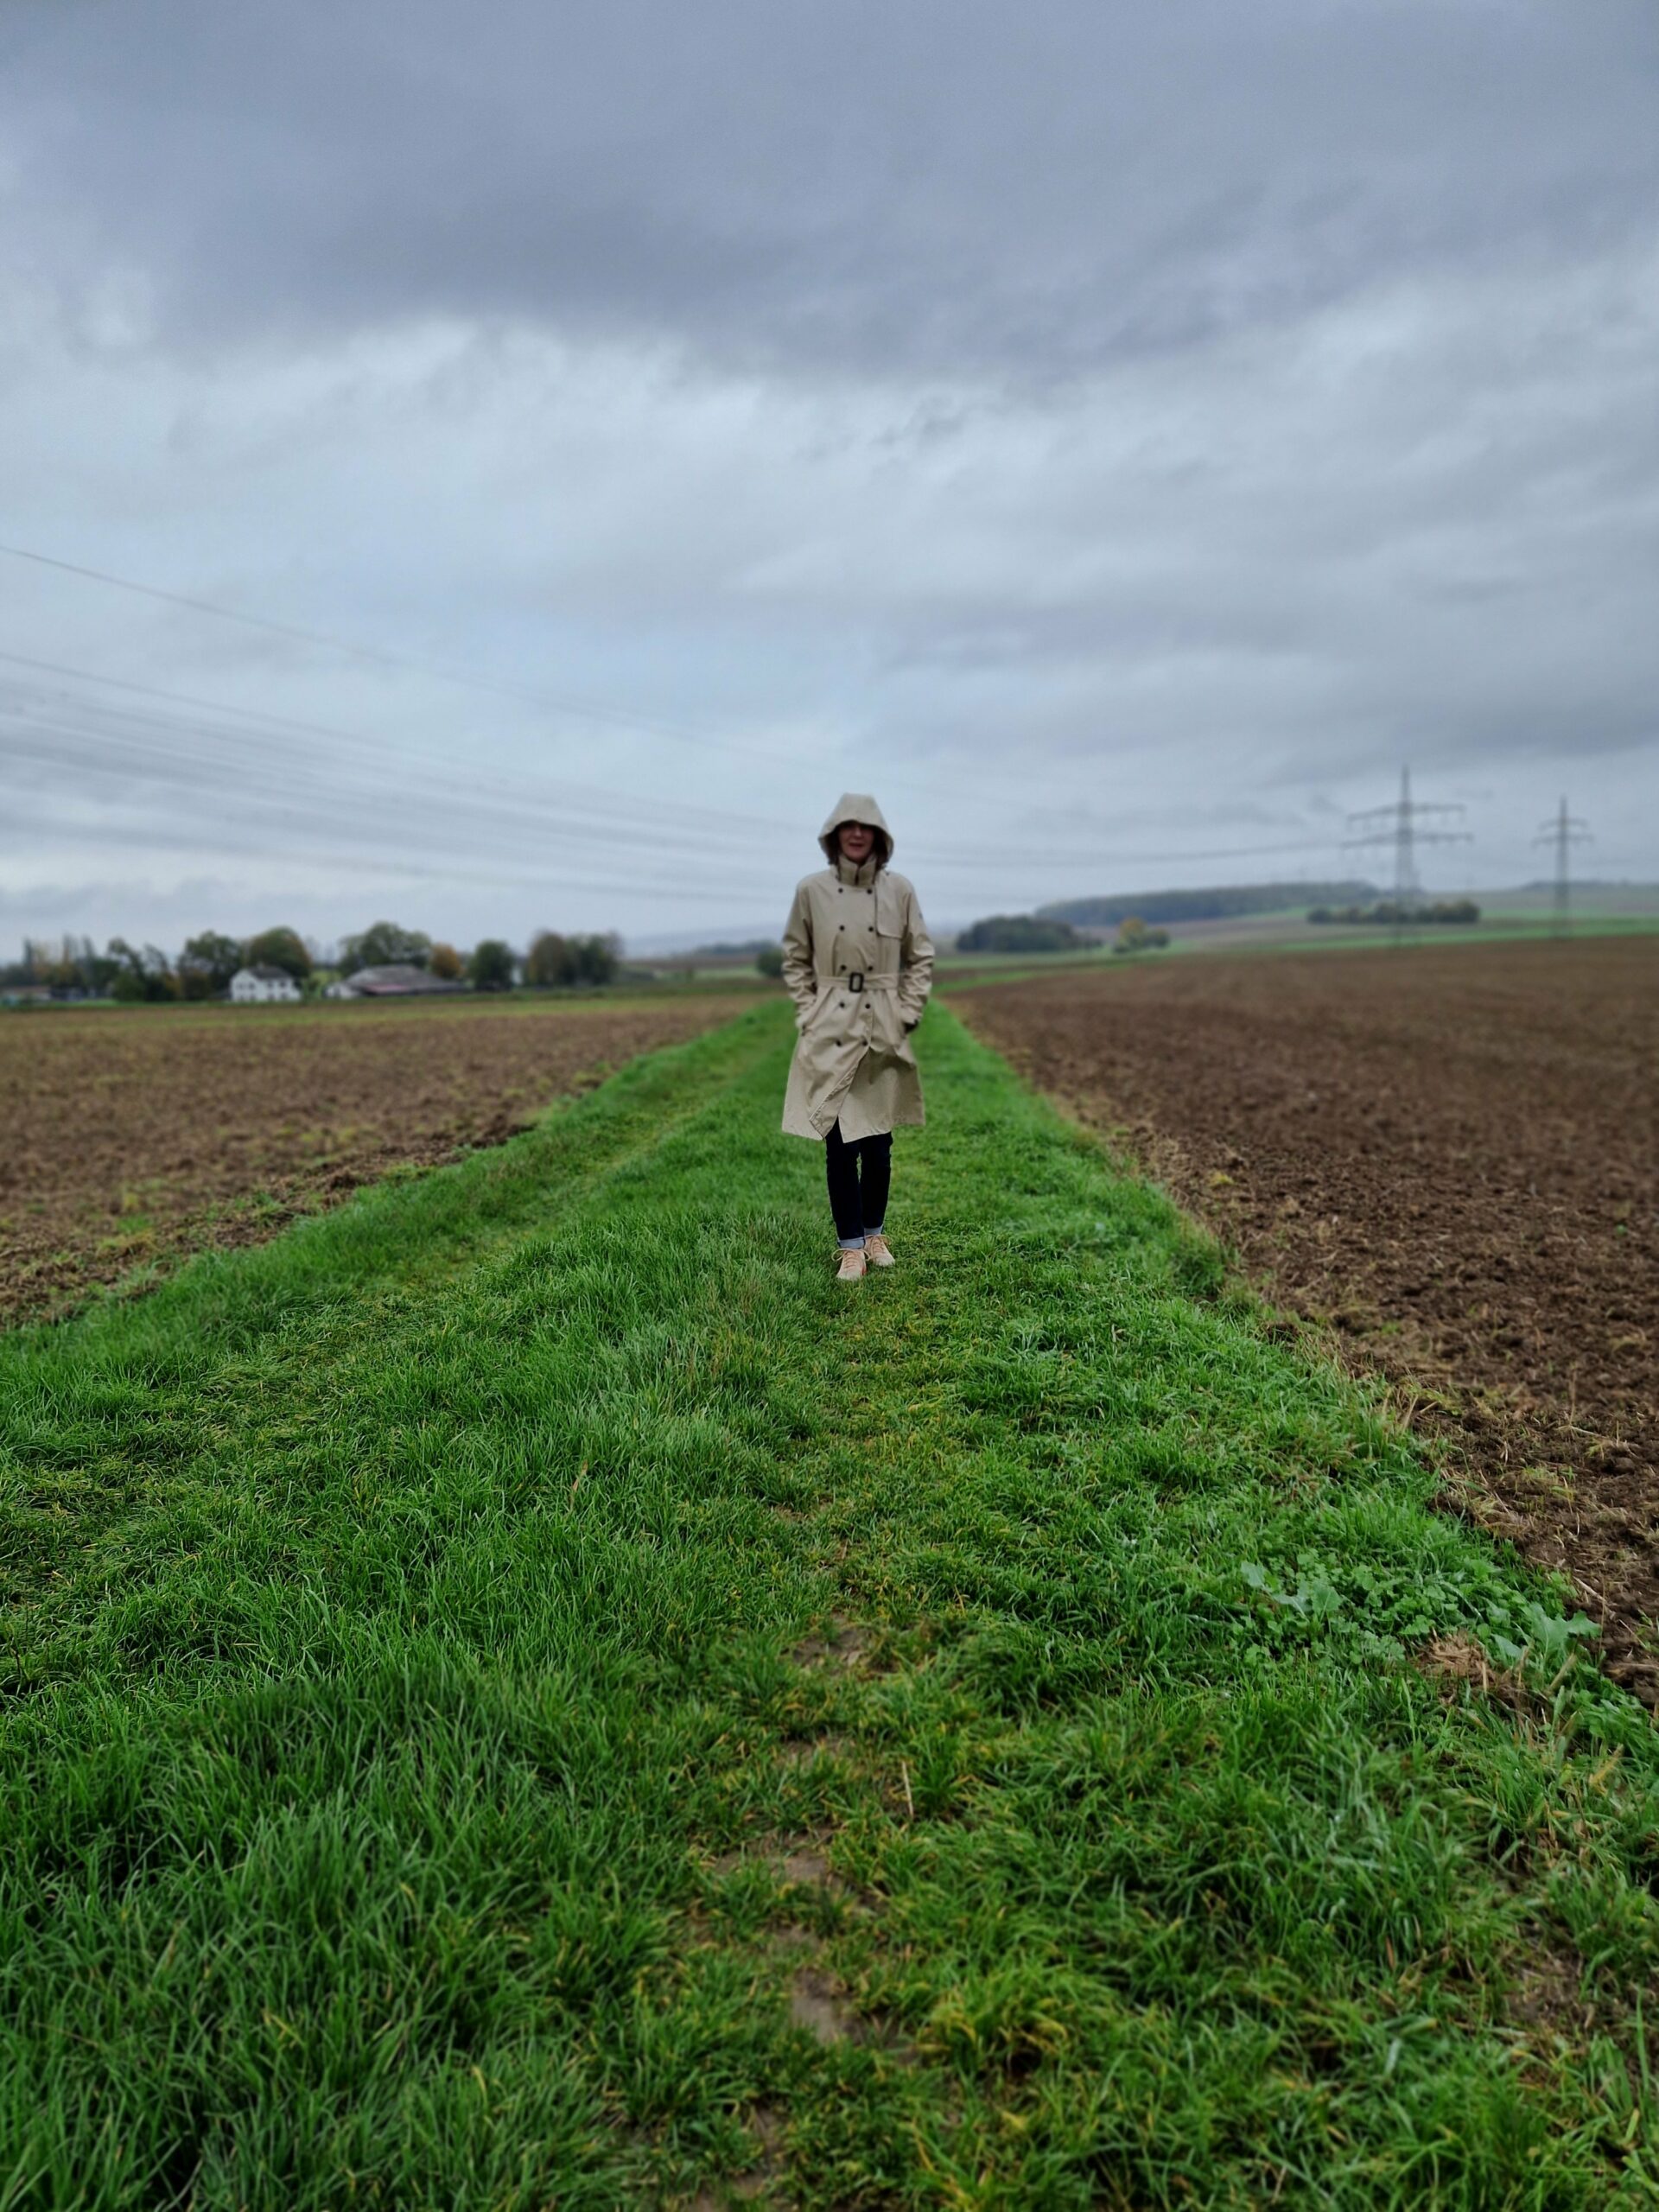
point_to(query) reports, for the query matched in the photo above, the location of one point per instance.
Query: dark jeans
(859, 1177)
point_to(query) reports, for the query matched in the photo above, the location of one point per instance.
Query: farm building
(261, 984)
(397, 981)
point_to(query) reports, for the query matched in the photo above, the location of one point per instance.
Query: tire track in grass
(597, 1713)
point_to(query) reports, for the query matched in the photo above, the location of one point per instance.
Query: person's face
(857, 842)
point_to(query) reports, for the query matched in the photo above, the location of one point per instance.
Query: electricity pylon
(1397, 825)
(1564, 832)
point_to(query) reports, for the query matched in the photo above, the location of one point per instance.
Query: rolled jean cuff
(872, 1231)
(850, 1244)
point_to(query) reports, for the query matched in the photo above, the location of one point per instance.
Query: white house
(256, 986)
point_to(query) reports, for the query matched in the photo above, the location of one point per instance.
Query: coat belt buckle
(855, 981)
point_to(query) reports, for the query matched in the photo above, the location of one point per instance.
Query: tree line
(202, 969)
(1211, 903)
(1436, 911)
(1038, 933)
(1018, 933)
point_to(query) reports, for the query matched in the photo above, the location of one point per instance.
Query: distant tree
(278, 948)
(1018, 933)
(86, 968)
(597, 958)
(73, 964)
(53, 965)
(555, 963)
(1136, 935)
(491, 968)
(1389, 913)
(384, 944)
(207, 963)
(1213, 904)
(162, 974)
(769, 961)
(547, 965)
(443, 960)
(136, 974)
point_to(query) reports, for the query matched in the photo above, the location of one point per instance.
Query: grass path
(525, 1693)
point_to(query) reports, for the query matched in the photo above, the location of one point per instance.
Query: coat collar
(860, 878)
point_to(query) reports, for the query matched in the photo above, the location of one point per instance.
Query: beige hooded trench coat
(859, 964)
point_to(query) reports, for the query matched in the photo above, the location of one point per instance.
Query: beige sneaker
(876, 1252)
(851, 1269)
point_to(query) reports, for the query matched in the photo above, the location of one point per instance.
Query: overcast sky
(1121, 437)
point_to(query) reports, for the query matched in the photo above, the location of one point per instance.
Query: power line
(1564, 832)
(413, 820)
(466, 679)
(380, 751)
(184, 755)
(957, 857)
(1397, 824)
(115, 745)
(412, 866)
(353, 648)
(179, 757)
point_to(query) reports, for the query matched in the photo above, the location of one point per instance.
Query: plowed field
(1449, 1156)
(134, 1135)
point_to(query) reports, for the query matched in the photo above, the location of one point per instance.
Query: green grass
(525, 1693)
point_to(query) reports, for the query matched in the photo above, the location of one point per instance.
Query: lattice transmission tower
(1399, 825)
(1565, 831)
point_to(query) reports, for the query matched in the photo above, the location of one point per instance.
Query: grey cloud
(951, 187)
(1109, 429)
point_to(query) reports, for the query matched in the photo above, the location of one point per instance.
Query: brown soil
(1448, 1155)
(138, 1134)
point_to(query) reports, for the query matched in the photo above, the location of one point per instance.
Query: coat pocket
(889, 1027)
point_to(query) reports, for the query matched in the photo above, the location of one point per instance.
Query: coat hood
(856, 806)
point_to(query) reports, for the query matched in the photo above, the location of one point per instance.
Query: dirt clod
(843, 1645)
(816, 2004)
(807, 1750)
(792, 1862)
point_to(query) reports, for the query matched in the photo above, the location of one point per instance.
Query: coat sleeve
(800, 975)
(916, 957)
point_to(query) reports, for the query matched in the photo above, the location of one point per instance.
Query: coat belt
(867, 980)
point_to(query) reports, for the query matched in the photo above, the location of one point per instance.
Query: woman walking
(859, 964)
